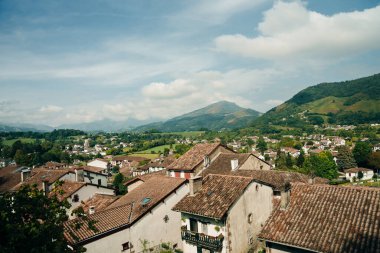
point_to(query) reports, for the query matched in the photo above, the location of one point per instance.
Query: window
(194, 225)
(75, 198)
(204, 228)
(250, 218)
(257, 187)
(125, 246)
(166, 218)
(99, 182)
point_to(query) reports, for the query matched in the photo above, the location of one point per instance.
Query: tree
(301, 159)
(345, 159)
(32, 222)
(360, 175)
(374, 160)
(361, 152)
(261, 145)
(21, 158)
(118, 181)
(289, 162)
(321, 165)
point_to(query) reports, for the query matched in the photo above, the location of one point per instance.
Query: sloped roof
(10, 176)
(193, 157)
(215, 197)
(129, 158)
(327, 218)
(78, 229)
(222, 164)
(99, 201)
(67, 189)
(43, 175)
(355, 170)
(126, 210)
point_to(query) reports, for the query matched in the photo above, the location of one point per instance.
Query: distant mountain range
(217, 116)
(348, 102)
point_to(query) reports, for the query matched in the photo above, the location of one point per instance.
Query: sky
(64, 62)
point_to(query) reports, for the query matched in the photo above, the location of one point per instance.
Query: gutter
(289, 245)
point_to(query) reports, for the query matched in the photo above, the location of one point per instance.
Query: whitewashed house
(141, 219)
(354, 173)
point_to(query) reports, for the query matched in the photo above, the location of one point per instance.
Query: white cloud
(50, 109)
(177, 88)
(274, 102)
(290, 30)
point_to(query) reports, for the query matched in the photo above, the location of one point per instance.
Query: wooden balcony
(199, 239)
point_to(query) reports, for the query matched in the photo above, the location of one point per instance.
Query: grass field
(24, 140)
(187, 134)
(156, 149)
(149, 156)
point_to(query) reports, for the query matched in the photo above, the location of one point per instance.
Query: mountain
(22, 127)
(216, 116)
(348, 102)
(106, 125)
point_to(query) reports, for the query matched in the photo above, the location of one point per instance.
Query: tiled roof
(193, 157)
(215, 197)
(222, 164)
(127, 209)
(67, 189)
(274, 178)
(355, 170)
(129, 158)
(43, 175)
(103, 221)
(327, 218)
(99, 201)
(93, 169)
(156, 188)
(10, 176)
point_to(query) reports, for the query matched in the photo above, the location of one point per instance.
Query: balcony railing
(199, 239)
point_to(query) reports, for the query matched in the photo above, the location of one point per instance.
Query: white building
(354, 173)
(100, 163)
(140, 219)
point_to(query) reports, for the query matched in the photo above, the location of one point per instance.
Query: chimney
(234, 164)
(79, 175)
(285, 196)
(25, 173)
(206, 161)
(195, 185)
(91, 210)
(45, 187)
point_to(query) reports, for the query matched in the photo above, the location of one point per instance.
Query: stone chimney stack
(79, 175)
(195, 185)
(91, 210)
(25, 174)
(285, 196)
(234, 164)
(45, 187)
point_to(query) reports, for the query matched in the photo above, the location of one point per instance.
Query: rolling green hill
(214, 117)
(349, 102)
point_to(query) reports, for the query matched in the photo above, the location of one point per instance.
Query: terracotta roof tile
(10, 176)
(327, 218)
(193, 157)
(126, 209)
(99, 201)
(103, 221)
(40, 175)
(355, 170)
(222, 164)
(215, 197)
(67, 189)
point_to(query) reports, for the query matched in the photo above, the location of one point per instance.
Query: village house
(158, 165)
(291, 151)
(77, 192)
(353, 174)
(100, 163)
(376, 147)
(127, 161)
(324, 218)
(222, 214)
(196, 159)
(139, 220)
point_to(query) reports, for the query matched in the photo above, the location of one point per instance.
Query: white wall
(151, 228)
(98, 163)
(367, 175)
(85, 193)
(254, 163)
(95, 177)
(256, 200)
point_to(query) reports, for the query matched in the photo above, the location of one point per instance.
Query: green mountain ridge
(217, 116)
(348, 102)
